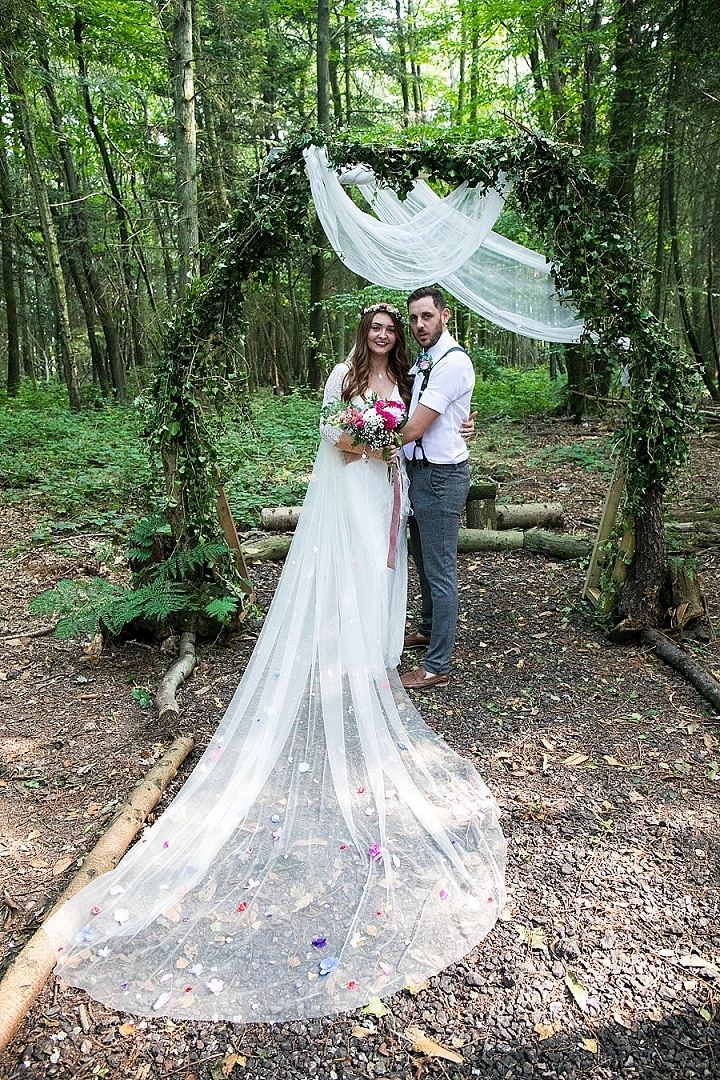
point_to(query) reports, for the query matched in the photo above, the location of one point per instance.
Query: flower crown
(389, 308)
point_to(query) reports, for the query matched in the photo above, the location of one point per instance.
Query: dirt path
(605, 763)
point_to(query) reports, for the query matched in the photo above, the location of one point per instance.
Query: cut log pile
(491, 526)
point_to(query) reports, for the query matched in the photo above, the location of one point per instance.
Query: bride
(328, 847)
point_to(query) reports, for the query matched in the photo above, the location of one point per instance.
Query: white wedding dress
(328, 847)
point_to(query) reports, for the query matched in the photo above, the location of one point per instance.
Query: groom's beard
(432, 340)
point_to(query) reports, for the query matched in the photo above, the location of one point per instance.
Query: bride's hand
(467, 428)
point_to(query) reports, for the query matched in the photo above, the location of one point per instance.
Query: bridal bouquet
(377, 425)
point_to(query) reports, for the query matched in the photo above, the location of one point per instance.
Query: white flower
(121, 915)
(215, 986)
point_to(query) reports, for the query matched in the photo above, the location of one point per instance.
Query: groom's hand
(467, 428)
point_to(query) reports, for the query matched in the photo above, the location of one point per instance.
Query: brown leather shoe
(416, 640)
(420, 679)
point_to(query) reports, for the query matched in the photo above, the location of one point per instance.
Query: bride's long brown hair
(356, 381)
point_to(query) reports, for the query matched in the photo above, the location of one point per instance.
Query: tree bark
(8, 275)
(678, 659)
(26, 131)
(186, 184)
(121, 213)
(402, 62)
(165, 700)
(644, 600)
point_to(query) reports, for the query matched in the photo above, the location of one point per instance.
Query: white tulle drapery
(424, 239)
(328, 847)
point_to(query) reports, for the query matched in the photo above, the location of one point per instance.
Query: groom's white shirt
(448, 392)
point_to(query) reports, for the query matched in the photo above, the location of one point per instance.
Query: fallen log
(165, 700)
(267, 548)
(682, 662)
(32, 966)
(692, 535)
(280, 518)
(557, 545)
(529, 515)
(489, 540)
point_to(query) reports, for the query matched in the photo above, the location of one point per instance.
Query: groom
(437, 463)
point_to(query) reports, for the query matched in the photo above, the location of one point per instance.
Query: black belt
(421, 463)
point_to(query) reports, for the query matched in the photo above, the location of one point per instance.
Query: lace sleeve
(332, 392)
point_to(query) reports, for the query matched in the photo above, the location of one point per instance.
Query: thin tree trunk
(185, 143)
(317, 266)
(681, 289)
(81, 238)
(26, 131)
(96, 354)
(118, 203)
(26, 344)
(414, 64)
(402, 62)
(628, 103)
(591, 67)
(347, 69)
(8, 275)
(555, 79)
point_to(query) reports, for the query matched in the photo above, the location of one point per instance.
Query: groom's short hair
(436, 295)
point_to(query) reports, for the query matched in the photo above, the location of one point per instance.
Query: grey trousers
(437, 496)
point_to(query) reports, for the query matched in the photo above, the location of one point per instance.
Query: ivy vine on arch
(595, 259)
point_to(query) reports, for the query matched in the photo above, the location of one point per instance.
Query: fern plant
(201, 585)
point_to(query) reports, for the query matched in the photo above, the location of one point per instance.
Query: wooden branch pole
(591, 589)
(229, 530)
(681, 661)
(182, 669)
(32, 966)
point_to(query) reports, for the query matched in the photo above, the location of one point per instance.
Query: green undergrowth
(512, 393)
(266, 458)
(593, 456)
(92, 471)
(88, 469)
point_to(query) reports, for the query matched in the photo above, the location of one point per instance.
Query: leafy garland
(595, 260)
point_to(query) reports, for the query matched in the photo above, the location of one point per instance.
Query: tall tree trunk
(26, 131)
(186, 184)
(124, 225)
(8, 275)
(80, 238)
(550, 38)
(414, 62)
(347, 69)
(402, 62)
(26, 343)
(591, 68)
(317, 266)
(628, 103)
(679, 272)
(462, 61)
